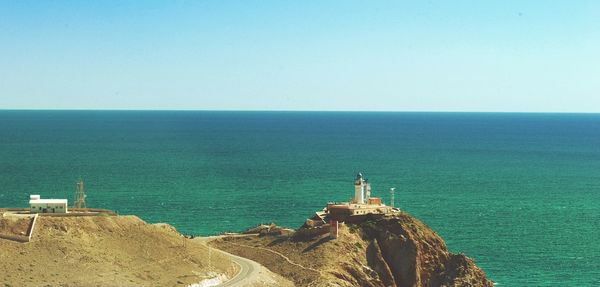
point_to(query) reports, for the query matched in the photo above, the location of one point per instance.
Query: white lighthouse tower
(359, 189)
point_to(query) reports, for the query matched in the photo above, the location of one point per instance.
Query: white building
(362, 190)
(38, 205)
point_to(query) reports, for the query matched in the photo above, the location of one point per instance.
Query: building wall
(375, 201)
(48, 208)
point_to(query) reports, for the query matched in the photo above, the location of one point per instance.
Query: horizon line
(293, 110)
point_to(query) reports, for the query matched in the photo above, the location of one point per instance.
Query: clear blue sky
(305, 55)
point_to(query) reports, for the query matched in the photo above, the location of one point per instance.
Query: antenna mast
(80, 196)
(392, 191)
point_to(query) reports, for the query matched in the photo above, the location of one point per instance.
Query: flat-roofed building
(39, 205)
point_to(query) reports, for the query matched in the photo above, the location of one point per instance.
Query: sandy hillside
(106, 251)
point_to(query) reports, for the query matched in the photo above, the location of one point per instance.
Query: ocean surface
(519, 193)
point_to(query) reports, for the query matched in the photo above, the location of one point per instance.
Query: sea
(519, 193)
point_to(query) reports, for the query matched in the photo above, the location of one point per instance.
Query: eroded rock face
(377, 262)
(416, 256)
(461, 271)
(373, 252)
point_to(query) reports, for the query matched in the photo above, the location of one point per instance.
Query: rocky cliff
(405, 252)
(378, 252)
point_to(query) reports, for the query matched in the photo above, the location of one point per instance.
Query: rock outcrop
(377, 252)
(414, 255)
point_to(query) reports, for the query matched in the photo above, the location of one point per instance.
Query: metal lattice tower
(79, 196)
(392, 192)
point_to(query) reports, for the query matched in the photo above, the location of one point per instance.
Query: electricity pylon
(79, 196)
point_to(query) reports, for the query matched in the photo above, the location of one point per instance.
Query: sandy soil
(14, 225)
(107, 251)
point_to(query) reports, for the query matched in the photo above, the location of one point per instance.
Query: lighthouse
(359, 189)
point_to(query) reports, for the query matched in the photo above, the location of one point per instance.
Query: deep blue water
(519, 193)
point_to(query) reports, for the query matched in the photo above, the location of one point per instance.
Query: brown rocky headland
(386, 251)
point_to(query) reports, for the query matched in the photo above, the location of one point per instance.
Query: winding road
(250, 273)
(248, 268)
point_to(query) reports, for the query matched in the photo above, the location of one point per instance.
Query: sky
(484, 56)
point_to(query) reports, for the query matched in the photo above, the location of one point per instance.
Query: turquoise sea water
(519, 193)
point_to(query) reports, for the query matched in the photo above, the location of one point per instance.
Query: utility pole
(392, 191)
(209, 258)
(80, 196)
